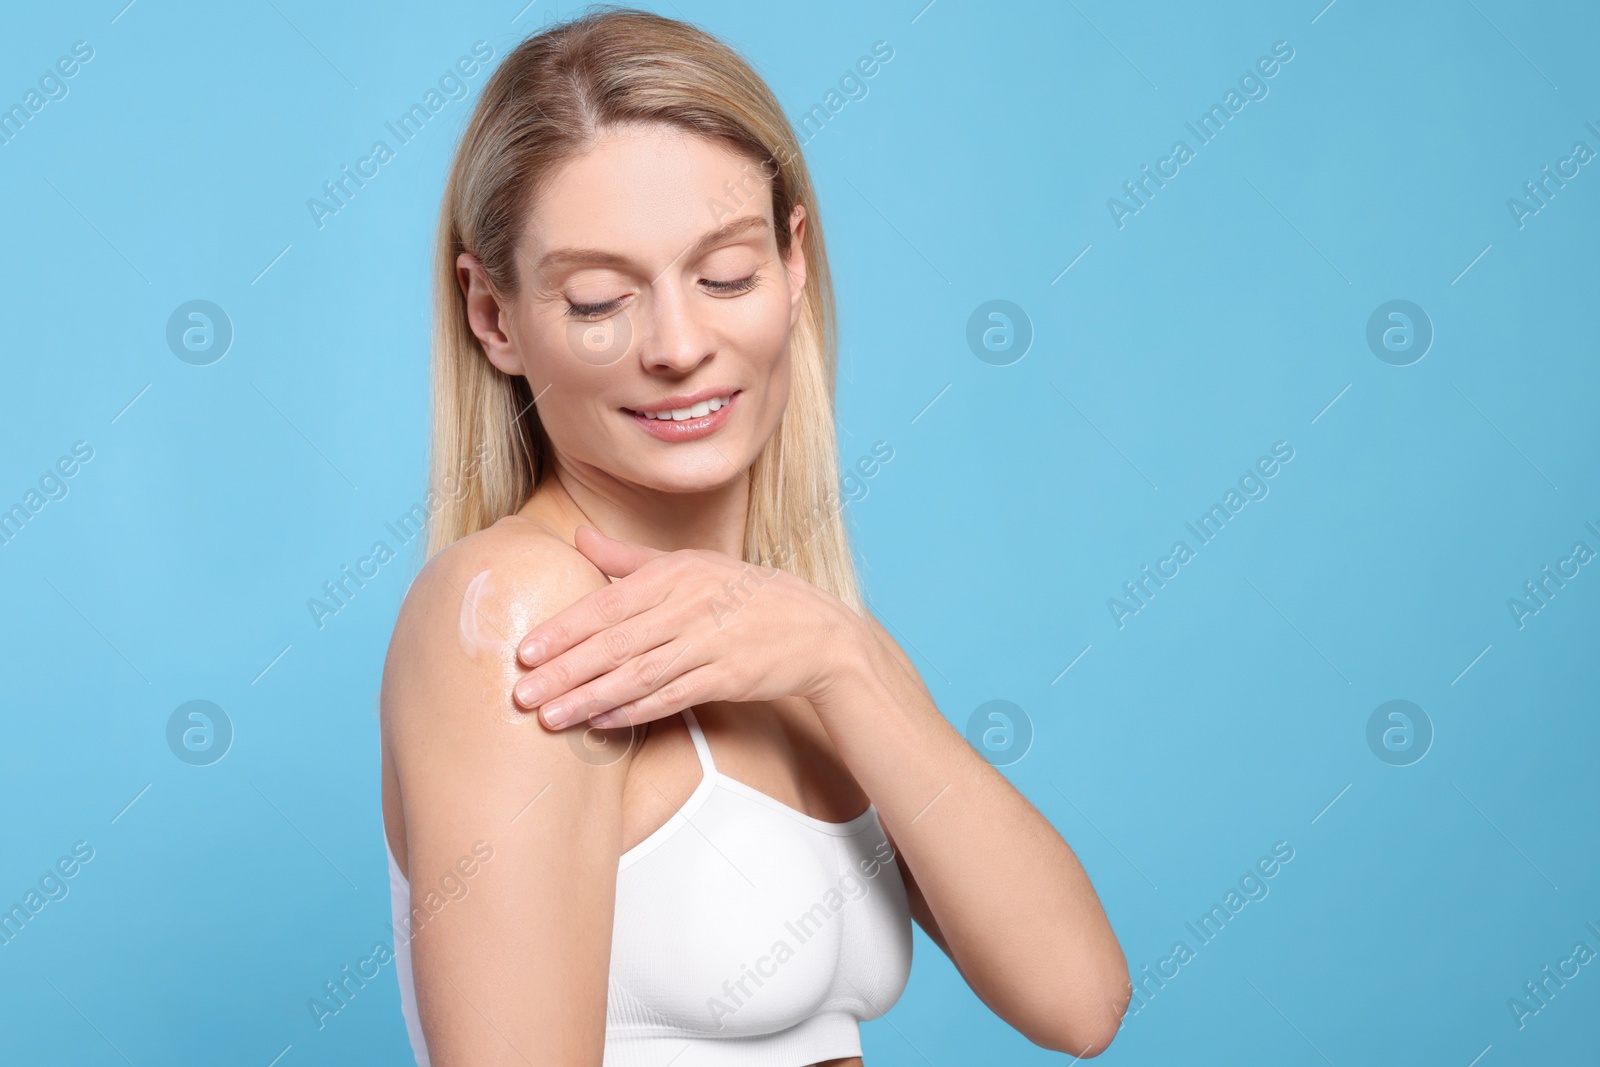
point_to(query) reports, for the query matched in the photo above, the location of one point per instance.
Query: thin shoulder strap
(700, 745)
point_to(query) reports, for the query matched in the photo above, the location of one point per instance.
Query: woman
(634, 362)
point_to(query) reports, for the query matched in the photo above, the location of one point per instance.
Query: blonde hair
(542, 106)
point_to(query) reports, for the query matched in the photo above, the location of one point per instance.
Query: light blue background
(1230, 713)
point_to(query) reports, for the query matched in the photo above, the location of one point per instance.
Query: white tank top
(746, 933)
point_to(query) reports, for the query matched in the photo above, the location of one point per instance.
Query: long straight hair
(545, 104)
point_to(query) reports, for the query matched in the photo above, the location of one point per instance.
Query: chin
(718, 475)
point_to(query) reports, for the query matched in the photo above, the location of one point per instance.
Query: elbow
(1095, 1020)
(1084, 1040)
(1084, 1043)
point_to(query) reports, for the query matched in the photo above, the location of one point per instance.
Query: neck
(713, 519)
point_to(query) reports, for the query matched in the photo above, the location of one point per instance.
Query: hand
(679, 629)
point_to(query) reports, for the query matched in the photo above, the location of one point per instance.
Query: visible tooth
(696, 411)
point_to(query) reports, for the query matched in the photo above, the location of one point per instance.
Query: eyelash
(594, 311)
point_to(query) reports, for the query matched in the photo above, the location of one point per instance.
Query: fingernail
(532, 653)
(528, 692)
(555, 715)
(604, 719)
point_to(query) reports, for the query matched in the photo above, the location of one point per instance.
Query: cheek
(580, 428)
(760, 328)
(772, 397)
(559, 366)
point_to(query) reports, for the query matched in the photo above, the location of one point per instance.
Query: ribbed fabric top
(746, 934)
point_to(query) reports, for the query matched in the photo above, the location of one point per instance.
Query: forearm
(1015, 907)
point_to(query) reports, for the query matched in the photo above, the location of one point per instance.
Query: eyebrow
(566, 258)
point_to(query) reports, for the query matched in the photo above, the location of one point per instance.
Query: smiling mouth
(694, 411)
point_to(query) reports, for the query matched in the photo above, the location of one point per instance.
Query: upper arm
(918, 905)
(513, 969)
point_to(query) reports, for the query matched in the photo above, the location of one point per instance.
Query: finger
(591, 613)
(612, 556)
(660, 668)
(685, 691)
(597, 654)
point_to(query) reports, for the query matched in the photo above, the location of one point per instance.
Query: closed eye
(743, 285)
(609, 307)
(592, 311)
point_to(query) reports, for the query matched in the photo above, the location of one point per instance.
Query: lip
(688, 429)
(683, 400)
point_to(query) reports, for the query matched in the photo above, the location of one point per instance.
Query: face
(651, 285)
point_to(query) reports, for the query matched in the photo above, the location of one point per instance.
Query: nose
(675, 341)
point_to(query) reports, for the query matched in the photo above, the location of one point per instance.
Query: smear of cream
(477, 633)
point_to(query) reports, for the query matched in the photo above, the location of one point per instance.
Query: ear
(486, 314)
(795, 262)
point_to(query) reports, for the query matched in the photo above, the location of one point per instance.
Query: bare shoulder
(471, 604)
(447, 717)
